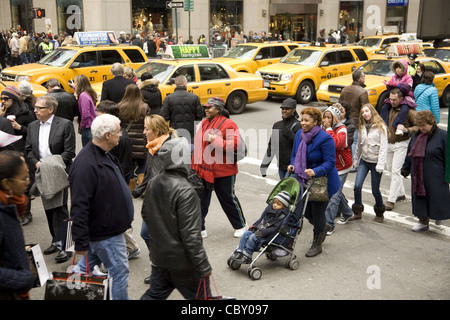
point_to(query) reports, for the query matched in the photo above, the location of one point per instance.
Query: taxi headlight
(323, 87)
(23, 78)
(258, 73)
(286, 77)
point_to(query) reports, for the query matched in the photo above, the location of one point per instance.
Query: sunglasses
(5, 98)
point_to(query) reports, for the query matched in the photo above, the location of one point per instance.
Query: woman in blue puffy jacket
(426, 95)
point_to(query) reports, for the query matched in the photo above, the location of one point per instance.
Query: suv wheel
(305, 92)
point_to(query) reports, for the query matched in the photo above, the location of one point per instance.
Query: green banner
(189, 51)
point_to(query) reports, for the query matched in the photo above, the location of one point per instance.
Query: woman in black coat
(425, 161)
(151, 93)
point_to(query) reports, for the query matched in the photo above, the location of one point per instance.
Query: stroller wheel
(271, 256)
(234, 265)
(293, 264)
(255, 273)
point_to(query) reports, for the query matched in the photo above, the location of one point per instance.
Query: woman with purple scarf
(314, 155)
(425, 161)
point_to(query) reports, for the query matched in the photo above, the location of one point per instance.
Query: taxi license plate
(266, 84)
(334, 99)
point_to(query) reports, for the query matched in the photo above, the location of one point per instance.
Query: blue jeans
(337, 202)
(375, 177)
(283, 174)
(85, 136)
(355, 140)
(249, 243)
(112, 252)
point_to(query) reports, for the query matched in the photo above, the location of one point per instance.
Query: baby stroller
(283, 243)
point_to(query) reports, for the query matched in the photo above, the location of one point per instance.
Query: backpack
(195, 181)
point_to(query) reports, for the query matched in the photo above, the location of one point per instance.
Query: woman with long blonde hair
(87, 99)
(370, 155)
(132, 111)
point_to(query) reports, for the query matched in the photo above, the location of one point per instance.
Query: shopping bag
(37, 264)
(63, 239)
(75, 286)
(204, 290)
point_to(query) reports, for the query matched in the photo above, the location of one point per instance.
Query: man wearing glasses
(48, 136)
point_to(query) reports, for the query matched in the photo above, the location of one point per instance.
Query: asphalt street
(361, 260)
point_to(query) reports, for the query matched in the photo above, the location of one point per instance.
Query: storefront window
(151, 17)
(350, 17)
(226, 18)
(297, 27)
(69, 15)
(19, 11)
(396, 16)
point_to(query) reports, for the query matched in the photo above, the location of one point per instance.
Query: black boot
(357, 212)
(316, 247)
(379, 213)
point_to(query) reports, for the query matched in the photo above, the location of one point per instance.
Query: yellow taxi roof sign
(403, 49)
(187, 51)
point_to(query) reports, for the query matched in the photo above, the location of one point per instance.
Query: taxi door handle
(94, 71)
(335, 69)
(195, 87)
(269, 62)
(228, 84)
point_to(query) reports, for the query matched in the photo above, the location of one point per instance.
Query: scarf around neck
(21, 202)
(418, 153)
(154, 145)
(300, 156)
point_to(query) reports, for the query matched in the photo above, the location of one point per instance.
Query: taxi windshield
(159, 71)
(58, 58)
(303, 57)
(369, 42)
(378, 68)
(442, 54)
(241, 52)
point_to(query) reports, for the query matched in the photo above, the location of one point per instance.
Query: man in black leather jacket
(172, 212)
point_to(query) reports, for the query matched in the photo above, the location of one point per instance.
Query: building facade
(293, 19)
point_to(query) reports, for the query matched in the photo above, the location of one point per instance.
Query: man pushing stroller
(264, 229)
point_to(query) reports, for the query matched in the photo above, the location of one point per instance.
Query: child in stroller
(265, 228)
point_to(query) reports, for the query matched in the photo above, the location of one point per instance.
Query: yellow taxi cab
(206, 78)
(441, 53)
(401, 48)
(38, 90)
(249, 56)
(375, 43)
(300, 73)
(67, 62)
(378, 70)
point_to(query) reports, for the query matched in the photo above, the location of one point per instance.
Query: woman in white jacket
(370, 155)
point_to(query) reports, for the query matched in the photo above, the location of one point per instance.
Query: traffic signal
(39, 13)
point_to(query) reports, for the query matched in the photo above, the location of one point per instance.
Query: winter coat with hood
(173, 215)
(403, 81)
(372, 147)
(427, 99)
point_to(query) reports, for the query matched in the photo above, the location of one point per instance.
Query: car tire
(236, 102)
(444, 103)
(305, 92)
(380, 102)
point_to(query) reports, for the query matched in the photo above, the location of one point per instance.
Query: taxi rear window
(361, 54)
(134, 55)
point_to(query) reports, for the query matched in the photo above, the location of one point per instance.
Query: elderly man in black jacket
(102, 207)
(173, 215)
(114, 89)
(182, 109)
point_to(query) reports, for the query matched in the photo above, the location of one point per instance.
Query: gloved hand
(258, 233)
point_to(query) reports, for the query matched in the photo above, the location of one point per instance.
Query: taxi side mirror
(74, 65)
(171, 81)
(258, 57)
(324, 64)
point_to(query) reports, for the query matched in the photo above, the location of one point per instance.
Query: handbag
(71, 286)
(318, 189)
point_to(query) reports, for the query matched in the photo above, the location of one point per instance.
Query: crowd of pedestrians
(129, 141)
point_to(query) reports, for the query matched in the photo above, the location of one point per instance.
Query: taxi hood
(25, 69)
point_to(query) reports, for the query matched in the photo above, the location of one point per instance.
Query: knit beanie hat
(284, 197)
(334, 111)
(11, 92)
